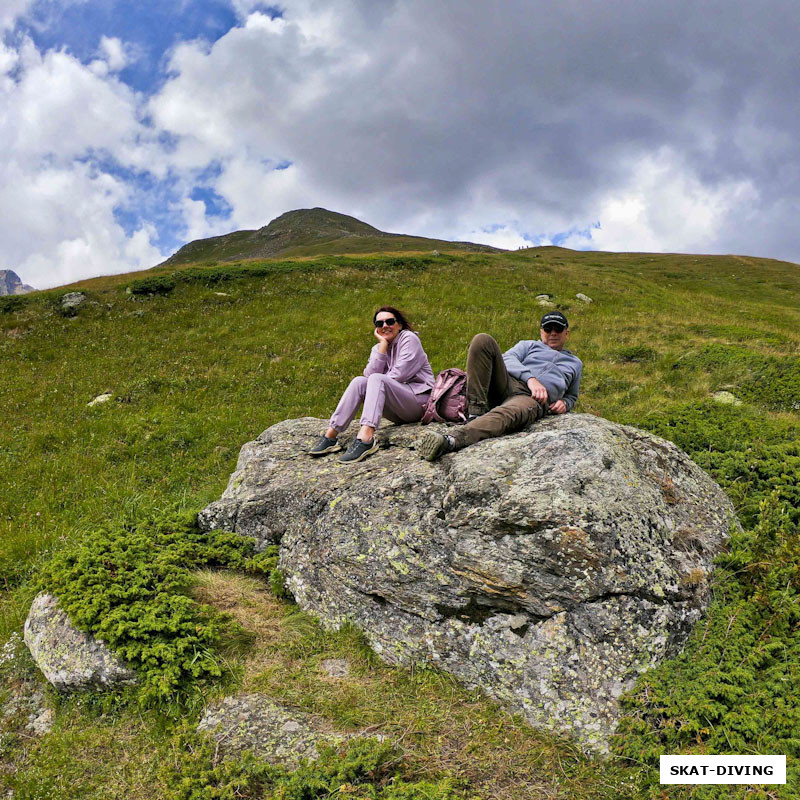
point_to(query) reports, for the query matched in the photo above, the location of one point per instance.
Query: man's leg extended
(487, 378)
(510, 416)
(489, 386)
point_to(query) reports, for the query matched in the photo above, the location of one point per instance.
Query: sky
(128, 129)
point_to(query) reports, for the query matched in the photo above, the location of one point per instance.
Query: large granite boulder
(69, 658)
(549, 567)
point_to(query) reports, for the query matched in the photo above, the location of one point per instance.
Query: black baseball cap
(554, 318)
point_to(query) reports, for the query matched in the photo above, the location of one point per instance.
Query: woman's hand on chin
(383, 344)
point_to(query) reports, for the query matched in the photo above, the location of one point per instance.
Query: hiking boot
(324, 445)
(358, 451)
(432, 445)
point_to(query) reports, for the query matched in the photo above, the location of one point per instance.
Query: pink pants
(381, 396)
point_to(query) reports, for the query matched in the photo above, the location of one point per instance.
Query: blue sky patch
(559, 238)
(151, 27)
(216, 204)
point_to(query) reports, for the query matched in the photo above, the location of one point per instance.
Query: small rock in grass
(335, 667)
(72, 301)
(546, 304)
(8, 652)
(584, 298)
(254, 722)
(543, 296)
(727, 399)
(26, 704)
(41, 723)
(101, 398)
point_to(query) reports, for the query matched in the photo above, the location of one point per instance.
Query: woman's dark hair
(398, 315)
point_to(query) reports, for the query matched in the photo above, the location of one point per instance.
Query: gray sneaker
(358, 451)
(324, 445)
(432, 445)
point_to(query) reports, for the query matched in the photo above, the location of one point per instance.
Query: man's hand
(559, 407)
(538, 392)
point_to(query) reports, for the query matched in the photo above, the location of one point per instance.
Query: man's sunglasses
(553, 328)
(379, 323)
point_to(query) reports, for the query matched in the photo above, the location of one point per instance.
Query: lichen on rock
(254, 723)
(70, 659)
(549, 567)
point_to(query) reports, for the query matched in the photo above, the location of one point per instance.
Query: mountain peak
(10, 283)
(310, 232)
(318, 222)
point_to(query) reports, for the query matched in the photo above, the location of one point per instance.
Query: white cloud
(10, 11)
(261, 193)
(68, 213)
(115, 53)
(397, 110)
(664, 207)
(506, 238)
(244, 7)
(8, 60)
(61, 108)
(56, 205)
(198, 224)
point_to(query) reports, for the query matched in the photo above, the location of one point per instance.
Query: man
(507, 391)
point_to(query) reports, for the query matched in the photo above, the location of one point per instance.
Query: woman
(396, 384)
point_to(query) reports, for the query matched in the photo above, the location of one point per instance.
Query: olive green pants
(503, 401)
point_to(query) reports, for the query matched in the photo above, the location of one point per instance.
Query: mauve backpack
(448, 400)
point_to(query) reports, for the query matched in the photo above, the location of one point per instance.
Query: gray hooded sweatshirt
(559, 371)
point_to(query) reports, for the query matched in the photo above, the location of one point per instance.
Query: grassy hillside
(310, 232)
(202, 359)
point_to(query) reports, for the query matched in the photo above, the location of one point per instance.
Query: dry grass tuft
(251, 604)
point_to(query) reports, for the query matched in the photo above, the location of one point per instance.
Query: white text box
(723, 769)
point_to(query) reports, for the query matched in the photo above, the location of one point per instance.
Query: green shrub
(365, 769)
(212, 274)
(731, 690)
(155, 284)
(127, 586)
(772, 382)
(12, 302)
(737, 333)
(715, 357)
(776, 385)
(748, 455)
(633, 354)
(413, 263)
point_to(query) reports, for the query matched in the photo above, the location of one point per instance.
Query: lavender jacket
(405, 361)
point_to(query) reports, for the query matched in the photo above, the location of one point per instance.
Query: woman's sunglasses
(379, 323)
